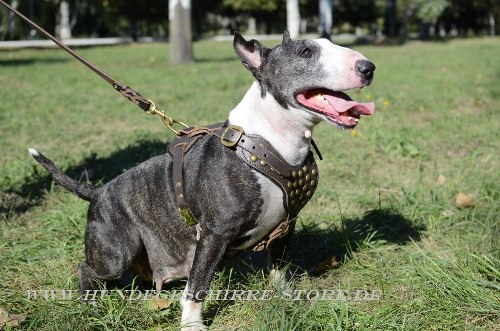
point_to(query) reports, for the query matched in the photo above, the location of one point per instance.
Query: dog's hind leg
(110, 251)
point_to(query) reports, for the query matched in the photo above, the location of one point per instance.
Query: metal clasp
(167, 120)
(228, 141)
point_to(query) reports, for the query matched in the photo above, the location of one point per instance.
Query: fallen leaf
(159, 304)
(329, 263)
(10, 320)
(464, 201)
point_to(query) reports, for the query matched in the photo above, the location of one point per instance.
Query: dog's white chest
(272, 213)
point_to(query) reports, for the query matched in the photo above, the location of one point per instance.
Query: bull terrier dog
(228, 187)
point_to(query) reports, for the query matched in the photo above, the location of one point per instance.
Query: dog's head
(310, 75)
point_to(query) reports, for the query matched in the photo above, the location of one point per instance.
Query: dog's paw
(278, 279)
(193, 326)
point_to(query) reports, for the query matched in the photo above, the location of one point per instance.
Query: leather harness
(298, 183)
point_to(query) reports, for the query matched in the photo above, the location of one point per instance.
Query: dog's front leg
(276, 258)
(210, 249)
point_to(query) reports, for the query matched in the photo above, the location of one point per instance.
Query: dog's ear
(286, 37)
(251, 53)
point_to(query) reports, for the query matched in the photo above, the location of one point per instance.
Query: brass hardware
(231, 143)
(181, 196)
(262, 162)
(308, 194)
(305, 168)
(313, 183)
(294, 174)
(297, 191)
(295, 184)
(301, 182)
(178, 184)
(167, 120)
(292, 194)
(314, 172)
(301, 173)
(308, 178)
(253, 158)
(290, 184)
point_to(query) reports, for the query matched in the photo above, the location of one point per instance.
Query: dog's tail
(83, 190)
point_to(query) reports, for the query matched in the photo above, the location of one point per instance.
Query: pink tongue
(341, 105)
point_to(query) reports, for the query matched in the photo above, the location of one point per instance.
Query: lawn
(385, 208)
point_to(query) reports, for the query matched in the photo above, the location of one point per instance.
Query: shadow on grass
(315, 250)
(16, 200)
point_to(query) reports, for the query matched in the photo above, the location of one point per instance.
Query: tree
(63, 27)
(390, 19)
(293, 18)
(181, 45)
(325, 18)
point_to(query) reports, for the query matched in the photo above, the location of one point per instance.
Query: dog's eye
(306, 52)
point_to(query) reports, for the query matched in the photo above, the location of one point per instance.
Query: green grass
(385, 206)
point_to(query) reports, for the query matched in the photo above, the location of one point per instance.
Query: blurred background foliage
(134, 18)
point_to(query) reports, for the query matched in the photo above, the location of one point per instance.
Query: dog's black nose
(365, 69)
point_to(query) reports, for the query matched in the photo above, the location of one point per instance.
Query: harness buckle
(231, 135)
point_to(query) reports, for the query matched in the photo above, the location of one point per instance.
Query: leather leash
(145, 104)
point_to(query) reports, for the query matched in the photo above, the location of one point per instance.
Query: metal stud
(305, 168)
(253, 158)
(301, 197)
(297, 191)
(181, 196)
(308, 178)
(293, 202)
(301, 182)
(305, 188)
(295, 184)
(292, 194)
(301, 173)
(313, 183)
(294, 174)
(262, 162)
(308, 194)
(314, 172)
(178, 184)
(290, 184)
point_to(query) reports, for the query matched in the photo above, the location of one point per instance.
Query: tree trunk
(293, 18)
(325, 18)
(63, 27)
(252, 26)
(492, 24)
(390, 18)
(181, 45)
(11, 21)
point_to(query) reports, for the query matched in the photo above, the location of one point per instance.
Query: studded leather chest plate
(298, 183)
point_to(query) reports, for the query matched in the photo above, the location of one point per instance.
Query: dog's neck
(287, 130)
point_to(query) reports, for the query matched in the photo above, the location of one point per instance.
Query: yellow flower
(385, 104)
(355, 133)
(368, 97)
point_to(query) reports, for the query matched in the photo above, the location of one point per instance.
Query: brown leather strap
(126, 91)
(283, 228)
(178, 148)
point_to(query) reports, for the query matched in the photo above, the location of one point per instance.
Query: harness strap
(298, 183)
(280, 231)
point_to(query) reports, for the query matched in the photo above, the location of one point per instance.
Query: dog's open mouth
(337, 107)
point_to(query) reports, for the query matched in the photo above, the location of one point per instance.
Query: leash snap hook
(167, 120)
